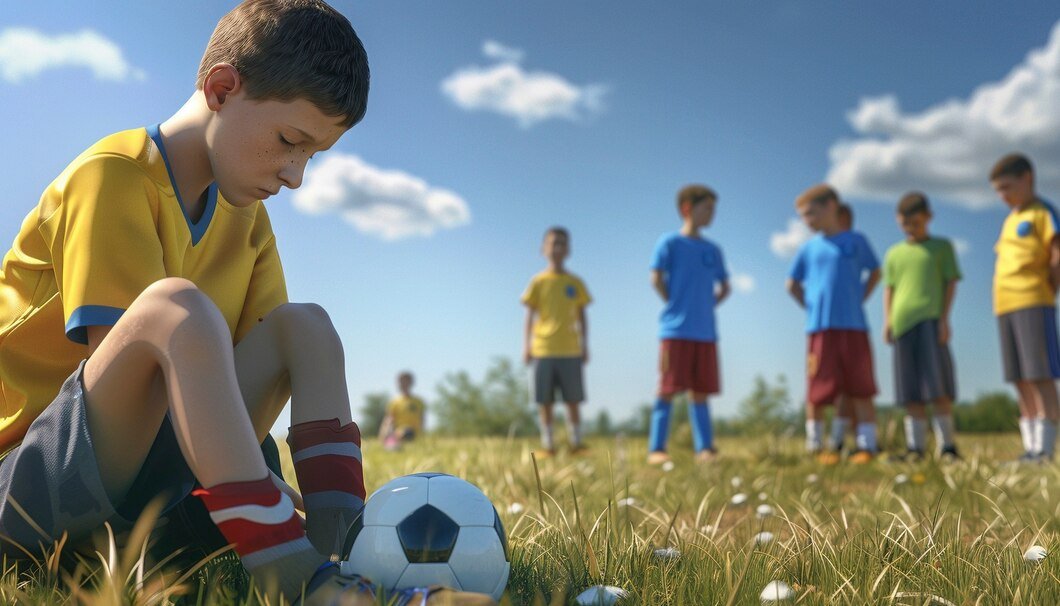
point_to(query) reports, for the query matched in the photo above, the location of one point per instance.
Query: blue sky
(590, 115)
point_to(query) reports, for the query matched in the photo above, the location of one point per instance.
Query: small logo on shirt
(1024, 229)
(571, 291)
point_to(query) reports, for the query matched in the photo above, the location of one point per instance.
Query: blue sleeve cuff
(90, 315)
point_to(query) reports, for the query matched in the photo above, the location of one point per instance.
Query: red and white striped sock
(260, 521)
(327, 461)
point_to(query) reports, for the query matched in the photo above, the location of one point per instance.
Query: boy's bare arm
(583, 325)
(724, 290)
(528, 329)
(659, 284)
(1054, 264)
(947, 305)
(888, 294)
(871, 283)
(795, 290)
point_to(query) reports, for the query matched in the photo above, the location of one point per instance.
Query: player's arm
(795, 290)
(871, 283)
(888, 297)
(583, 326)
(724, 290)
(1054, 263)
(658, 282)
(528, 329)
(947, 305)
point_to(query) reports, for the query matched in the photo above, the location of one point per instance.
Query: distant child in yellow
(1026, 277)
(404, 414)
(555, 338)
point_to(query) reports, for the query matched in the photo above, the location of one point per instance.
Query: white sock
(546, 437)
(1045, 437)
(942, 425)
(814, 435)
(576, 434)
(840, 425)
(1027, 433)
(915, 433)
(866, 439)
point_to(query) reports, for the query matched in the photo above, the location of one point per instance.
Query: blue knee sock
(660, 426)
(702, 428)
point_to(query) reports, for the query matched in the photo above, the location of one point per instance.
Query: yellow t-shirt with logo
(407, 413)
(106, 228)
(1021, 272)
(556, 300)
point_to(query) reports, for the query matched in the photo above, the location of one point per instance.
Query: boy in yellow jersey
(146, 341)
(404, 415)
(1026, 277)
(555, 339)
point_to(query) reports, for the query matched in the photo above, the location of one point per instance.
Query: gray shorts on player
(558, 374)
(923, 367)
(1029, 350)
(53, 478)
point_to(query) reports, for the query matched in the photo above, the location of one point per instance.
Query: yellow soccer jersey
(107, 227)
(407, 413)
(1021, 273)
(556, 300)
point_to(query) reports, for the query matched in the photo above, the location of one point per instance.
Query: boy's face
(819, 215)
(405, 383)
(914, 225)
(701, 214)
(1015, 191)
(256, 147)
(556, 247)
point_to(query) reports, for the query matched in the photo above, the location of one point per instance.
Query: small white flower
(516, 508)
(776, 591)
(709, 528)
(627, 502)
(600, 595)
(762, 496)
(668, 466)
(901, 478)
(813, 478)
(763, 538)
(764, 510)
(667, 553)
(1036, 553)
(738, 499)
(736, 481)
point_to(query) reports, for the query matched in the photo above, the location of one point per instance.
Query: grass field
(882, 533)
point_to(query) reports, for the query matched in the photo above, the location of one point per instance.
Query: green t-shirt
(918, 273)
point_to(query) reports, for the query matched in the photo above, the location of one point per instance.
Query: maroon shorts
(688, 365)
(838, 362)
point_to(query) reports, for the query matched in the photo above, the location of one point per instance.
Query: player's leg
(915, 423)
(842, 422)
(544, 387)
(822, 385)
(860, 382)
(913, 352)
(671, 382)
(705, 382)
(942, 416)
(548, 439)
(572, 390)
(1010, 347)
(574, 426)
(171, 354)
(1048, 414)
(295, 352)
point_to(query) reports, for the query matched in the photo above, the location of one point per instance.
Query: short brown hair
(557, 231)
(913, 203)
(293, 49)
(695, 194)
(405, 374)
(818, 194)
(1012, 165)
(846, 212)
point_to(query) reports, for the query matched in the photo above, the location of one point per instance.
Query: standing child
(556, 339)
(920, 281)
(828, 279)
(843, 420)
(1026, 277)
(688, 272)
(404, 415)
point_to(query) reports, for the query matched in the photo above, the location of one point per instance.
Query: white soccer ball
(429, 529)
(600, 595)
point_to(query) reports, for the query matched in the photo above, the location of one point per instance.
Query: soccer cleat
(707, 455)
(949, 454)
(545, 453)
(828, 457)
(862, 457)
(330, 585)
(580, 450)
(657, 457)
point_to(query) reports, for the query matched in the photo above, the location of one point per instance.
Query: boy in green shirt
(920, 281)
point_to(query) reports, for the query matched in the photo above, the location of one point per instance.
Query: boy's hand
(527, 357)
(944, 332)
(585, 355)
(888, 334)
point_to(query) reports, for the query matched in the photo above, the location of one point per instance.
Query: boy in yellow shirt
(555, 338)
(1026, 277)
(146, 339)
(404, 415)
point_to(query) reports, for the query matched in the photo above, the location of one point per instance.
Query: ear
(685, 209)
(221, 81)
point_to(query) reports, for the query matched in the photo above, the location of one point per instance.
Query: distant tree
(990, 412)
(373, 412)
(768, 409)
(499, 405)
(602, 426)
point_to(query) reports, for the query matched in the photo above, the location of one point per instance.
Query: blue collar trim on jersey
(197, 229)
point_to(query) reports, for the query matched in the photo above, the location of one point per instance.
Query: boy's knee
(300, 320)
(179, 300)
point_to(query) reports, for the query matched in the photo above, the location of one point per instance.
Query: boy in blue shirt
(828, 279)
(689, 274)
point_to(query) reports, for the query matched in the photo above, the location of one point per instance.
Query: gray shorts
(1029, 350)
(53, 478)
(923, 367)
(563, 374)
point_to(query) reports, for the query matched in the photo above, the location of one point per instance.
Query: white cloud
(529, 97)
(25, 52)
(742, 282)
(390, 204)
(947, 150)
(496, 50)
(785, 243)
(961, 246)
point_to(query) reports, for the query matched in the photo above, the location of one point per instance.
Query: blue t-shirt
(692, 268)
(832, 270)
